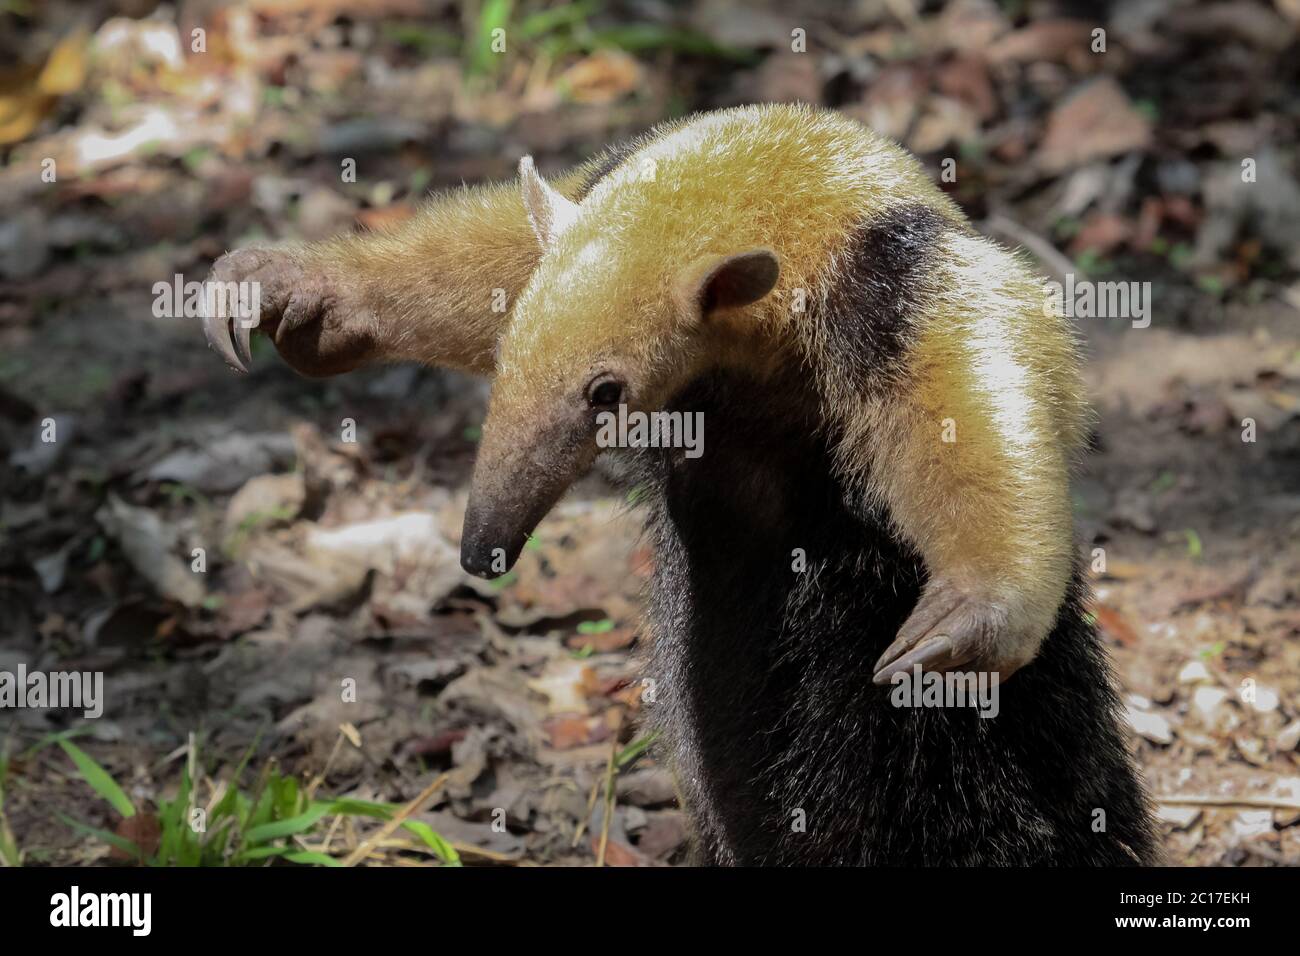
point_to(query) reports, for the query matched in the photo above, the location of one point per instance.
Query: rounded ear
(726, 282)
(548, 212)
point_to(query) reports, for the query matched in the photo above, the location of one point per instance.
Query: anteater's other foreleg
(436, 289)
(970, 456)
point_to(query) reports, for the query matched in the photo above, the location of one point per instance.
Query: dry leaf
(65, 70)
(1094, 122)
(603, 77)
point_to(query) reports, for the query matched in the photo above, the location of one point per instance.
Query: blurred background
(287, 640)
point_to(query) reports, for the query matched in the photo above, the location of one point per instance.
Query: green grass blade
(54, 738)
(112, 839)
(434, 841)
(284, 828)
(10, 855)
(98, 778)
(312, 858)
(384, 811)
(493, 15)
(352, 807)
(635, 749)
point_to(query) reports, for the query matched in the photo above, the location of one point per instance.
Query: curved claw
(934, 606)
(243, 329)
(216, 329)
(937, 653)
(948, 629)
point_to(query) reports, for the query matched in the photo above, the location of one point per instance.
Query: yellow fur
(432, 282)
(989, 511)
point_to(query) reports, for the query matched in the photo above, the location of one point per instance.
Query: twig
(591, 805)
(333, 829)
(609, 792)
(415, 806)
(609, 799)
(319, 779)
(191, 765)
(468, 849)
(1263, 803)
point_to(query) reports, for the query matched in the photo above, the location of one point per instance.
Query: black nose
(477, 562)
(487, 552)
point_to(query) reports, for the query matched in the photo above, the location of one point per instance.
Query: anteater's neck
(772, 600)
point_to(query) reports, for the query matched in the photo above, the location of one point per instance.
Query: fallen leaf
(966, 78)
(1095, 121)
(618, 853)
(65, 70)
(602, 77)
(564, 683)
(1114, 624)
(266, 501)
(143, 830)
(1042, 40)
(225, 463)
(603, 642)
(1101, 233)
(647, 787)
(663, 833)
(28, 94)
(150, 546)
(569, 731)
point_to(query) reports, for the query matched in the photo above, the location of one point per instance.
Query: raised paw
(266, 276)
(316, 326)
(954, 628)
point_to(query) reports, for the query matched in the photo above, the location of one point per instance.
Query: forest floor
(332, 628)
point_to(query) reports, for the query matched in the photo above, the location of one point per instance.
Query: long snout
(497, 526)
(515, 485)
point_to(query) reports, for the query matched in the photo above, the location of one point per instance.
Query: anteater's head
(624, 308)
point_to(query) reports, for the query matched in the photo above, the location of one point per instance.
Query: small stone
(1194, 672)
(1150, 726)
(1288, 737)
(1251, 824)
(1208, 700)
(1265, 700)
(1180, 818)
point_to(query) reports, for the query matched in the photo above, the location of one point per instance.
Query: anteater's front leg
(436, 289)
(970, 456)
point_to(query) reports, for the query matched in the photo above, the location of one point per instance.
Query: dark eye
(604, 392)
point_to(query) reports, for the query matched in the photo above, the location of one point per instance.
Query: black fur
(763, 676)
(610, 160)
(866, 320)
